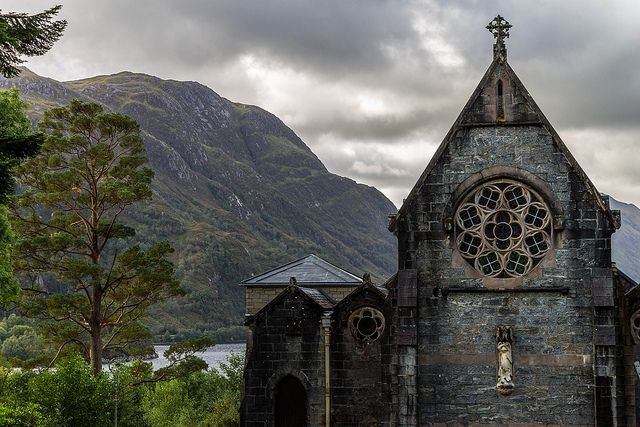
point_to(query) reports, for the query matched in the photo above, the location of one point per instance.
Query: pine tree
(17, 141)
(28, 35)
(78, 265)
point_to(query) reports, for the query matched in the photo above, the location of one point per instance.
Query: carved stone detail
(367, 324)
(635, 326)
(499, 27)
(503, 229)
(504, 340)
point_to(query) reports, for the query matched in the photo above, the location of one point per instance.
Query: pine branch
(28, 35)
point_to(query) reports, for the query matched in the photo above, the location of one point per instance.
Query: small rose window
(635, 327)
(366, 324)
(503, 229)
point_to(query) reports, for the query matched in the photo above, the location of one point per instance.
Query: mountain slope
(626, 240)
(236, 192)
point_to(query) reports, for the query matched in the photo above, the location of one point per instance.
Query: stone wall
(555, 331)
(285, 340)
(356, 369)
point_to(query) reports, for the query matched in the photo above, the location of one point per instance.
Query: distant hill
(236, 192)
(626, 241)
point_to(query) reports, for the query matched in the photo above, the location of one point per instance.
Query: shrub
(203, 399)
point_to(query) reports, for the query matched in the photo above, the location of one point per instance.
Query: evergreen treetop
(28, 35)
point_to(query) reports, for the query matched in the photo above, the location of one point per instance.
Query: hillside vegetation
(236, 192)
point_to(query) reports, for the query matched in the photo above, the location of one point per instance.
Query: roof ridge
(325, 272)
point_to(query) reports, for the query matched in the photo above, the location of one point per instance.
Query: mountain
(236, 192)
(626, 241)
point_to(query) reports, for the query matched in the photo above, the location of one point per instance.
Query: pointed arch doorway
(291, 403)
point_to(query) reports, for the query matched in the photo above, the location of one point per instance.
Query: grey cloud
(578, 58)
(388, 127)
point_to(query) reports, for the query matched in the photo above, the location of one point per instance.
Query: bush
(66, 396)
(203, 399)
(21, 344)
(70, 396)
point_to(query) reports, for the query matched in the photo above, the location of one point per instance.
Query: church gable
(357, 345)
(500, 115)
(285, 346)
(304, 299)
(310, 272)
(500, 98)
(502, 244)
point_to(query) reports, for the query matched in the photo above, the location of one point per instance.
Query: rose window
(503, 229)
(635, 327)
(366, 324)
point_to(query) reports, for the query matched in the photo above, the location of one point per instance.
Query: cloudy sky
(372, 86)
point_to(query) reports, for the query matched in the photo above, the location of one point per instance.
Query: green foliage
(90, 170)
(182, 358)
(202, 399)
(131, 392)
(22, 414)
(16, 142)
(21, 343)
(67, 396)
(71, 396)
(9, 287)
(29, 35)
(13, 121)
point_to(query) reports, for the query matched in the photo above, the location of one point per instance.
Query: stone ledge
(502, 425)
(522, 360)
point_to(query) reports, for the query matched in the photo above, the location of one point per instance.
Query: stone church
(506, 309)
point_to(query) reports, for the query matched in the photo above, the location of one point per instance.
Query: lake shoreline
(213, 355)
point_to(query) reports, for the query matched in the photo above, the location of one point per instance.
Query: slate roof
(319, 297)
(310, 270)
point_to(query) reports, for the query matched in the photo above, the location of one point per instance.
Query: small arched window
(499, 102)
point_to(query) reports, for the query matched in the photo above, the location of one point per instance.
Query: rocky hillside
(626, 241)
(236, 192)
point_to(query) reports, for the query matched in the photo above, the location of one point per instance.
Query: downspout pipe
(325, 323)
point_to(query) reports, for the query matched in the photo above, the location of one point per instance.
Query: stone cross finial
(499, 27)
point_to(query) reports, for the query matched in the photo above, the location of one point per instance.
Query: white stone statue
(504, 339)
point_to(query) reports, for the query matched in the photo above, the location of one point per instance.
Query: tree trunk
(95, 352)
(95, 324)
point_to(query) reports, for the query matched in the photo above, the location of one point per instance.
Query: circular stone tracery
(503, 229)
(366, 324)
(635, 327)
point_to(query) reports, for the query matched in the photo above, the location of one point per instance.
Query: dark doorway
(291, 403)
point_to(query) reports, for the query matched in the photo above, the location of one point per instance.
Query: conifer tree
(17, 141)
(27, 35)
(79, 267)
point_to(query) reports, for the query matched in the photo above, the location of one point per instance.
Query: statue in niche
(504, 339)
